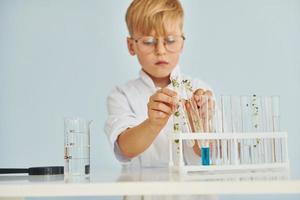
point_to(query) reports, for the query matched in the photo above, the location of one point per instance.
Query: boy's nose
(160, 48)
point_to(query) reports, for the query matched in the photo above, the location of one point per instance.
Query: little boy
(139, 111)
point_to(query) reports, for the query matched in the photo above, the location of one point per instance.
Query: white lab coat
(127, 107)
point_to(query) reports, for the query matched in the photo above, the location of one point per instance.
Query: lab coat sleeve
(120, 117)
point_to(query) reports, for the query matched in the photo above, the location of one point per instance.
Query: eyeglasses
(172, 43)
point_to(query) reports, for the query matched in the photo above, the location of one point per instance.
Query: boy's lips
(161, 62)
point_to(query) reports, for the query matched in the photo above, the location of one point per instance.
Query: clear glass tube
(226, 122)
(246, 127)
(267, 127)
(205, 121)
(278, 144)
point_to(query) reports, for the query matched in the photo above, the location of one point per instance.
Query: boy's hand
(206, 106)
(161, 105)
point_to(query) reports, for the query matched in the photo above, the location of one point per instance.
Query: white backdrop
(61, 58)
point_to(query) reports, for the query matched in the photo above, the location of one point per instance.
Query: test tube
(232, 114)
(260, 154)
(214, 144)
(205, 118)
(256, 126)
(236, 115)
(193, 118)
(226, 121)
(276, 128)
(267, 111)
(246, 127)
(205, 152)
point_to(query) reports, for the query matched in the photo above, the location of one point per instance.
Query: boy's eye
(170, 39)
(148, 41)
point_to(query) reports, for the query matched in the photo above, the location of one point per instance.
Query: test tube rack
(272, 143)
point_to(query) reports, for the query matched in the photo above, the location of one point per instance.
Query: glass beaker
(76, 148)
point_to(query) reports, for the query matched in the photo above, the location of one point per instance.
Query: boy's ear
(182, 45)
(130, 44)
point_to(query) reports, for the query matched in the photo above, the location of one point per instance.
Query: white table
(149, 181)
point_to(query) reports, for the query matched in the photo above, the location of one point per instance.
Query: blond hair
(145, 16)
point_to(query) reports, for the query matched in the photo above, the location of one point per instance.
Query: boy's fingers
(207, 106)
(204, 99)
(157, 106)
(207, 103)
(199, 92)
(202, 95)
(162, 97)
(187, 105)
(208, 93)
(196, 97)
(158, 114)
(168, 92)
(212, 105)
(203, 92)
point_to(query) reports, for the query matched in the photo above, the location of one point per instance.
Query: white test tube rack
(182, 167)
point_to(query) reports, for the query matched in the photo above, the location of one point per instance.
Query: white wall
(61, 58)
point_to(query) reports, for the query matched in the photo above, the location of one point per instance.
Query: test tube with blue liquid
(206, 118)
(198, 118)
(205, 152)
